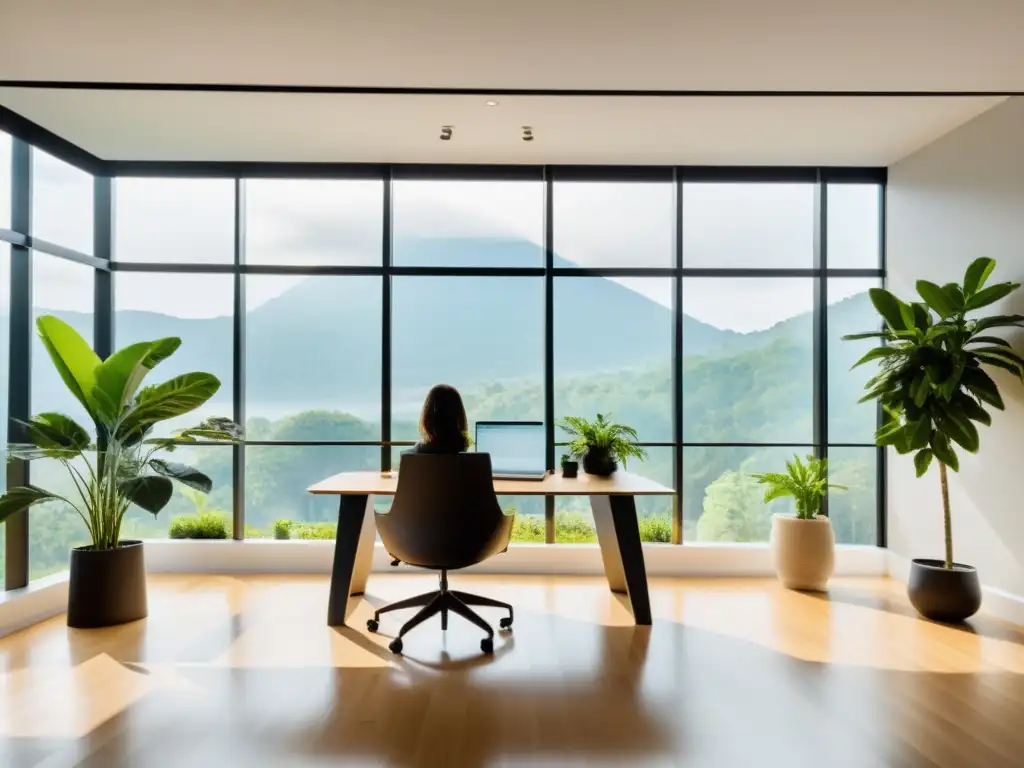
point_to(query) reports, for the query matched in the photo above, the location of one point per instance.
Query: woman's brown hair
(443, 418)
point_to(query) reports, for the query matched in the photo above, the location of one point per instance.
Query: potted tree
(933, 388)
(108, 578)
(803, 546)
(601, 444)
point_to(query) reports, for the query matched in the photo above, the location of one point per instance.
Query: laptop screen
(515, 447)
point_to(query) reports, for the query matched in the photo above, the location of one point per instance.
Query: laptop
(516, 448)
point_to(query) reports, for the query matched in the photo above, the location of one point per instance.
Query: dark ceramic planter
(570, 468)
(944, 595)
(108, 586)
(599, 463)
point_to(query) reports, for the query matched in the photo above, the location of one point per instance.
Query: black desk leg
(353, 555)
(619, 536)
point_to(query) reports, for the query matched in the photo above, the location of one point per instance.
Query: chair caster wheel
(372, 625)
(487, 645)
(506, 623)
(396, 645)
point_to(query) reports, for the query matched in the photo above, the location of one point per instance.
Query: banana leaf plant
(121, 468)
(932, 382)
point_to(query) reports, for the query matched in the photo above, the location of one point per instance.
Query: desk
(611, 499)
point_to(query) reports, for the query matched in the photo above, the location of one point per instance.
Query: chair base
(443, 601)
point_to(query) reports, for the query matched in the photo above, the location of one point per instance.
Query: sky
(316, 222)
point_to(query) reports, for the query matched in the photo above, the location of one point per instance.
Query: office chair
(445, 516)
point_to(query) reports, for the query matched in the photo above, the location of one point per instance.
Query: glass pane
(721, 501)
(276, 479)
(624, 224)
(574, 521)
(748, 225)
(198, 515)
(854, 231)
(313, 221)
(613, 352)
(468, 223)
(5, 180)
(854, 512)
(850, 311)
(62, 202)
(313, 357)
(65, 289)
(198, 309)
(175, 220)
(748, 366)
(483, 335)
(5, 324)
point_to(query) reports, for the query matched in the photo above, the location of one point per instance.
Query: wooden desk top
(619, 484)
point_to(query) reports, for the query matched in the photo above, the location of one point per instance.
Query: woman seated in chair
(443, 423)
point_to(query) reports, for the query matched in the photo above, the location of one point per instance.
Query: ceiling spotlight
(446, 132)
(491, 103)
(527, 133)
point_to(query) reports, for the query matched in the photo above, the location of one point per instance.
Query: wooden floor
(242, 671)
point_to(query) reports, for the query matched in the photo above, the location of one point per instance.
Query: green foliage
(574, 528)
(656, 529)
(806, 483)
(528, 528)
(210, 525)
(932, 384)
(601, 434)
(282, 529)
(124, 470)
(734, 510)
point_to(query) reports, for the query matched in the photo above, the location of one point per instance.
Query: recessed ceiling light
(491, 103)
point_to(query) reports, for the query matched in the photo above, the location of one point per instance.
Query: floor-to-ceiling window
(704, 309)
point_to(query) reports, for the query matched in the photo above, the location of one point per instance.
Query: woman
(443, 424)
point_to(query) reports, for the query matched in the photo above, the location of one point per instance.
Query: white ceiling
(866, 131)
(585, 44)
(752, 45)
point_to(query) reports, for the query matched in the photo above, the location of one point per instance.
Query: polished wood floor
(242, 671)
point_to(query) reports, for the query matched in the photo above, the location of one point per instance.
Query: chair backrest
(445, 513)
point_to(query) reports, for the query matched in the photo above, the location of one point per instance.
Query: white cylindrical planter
(803, 551)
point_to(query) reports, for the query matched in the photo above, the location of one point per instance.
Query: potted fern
(601, 444)
(803, 546)
(108, 577)
(933, 387)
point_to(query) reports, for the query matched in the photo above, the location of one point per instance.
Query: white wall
(959, 198)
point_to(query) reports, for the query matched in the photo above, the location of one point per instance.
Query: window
(5, 324)
(629, 224)
(6, 150)
(854, 512)
(174, 220)
(195, 308)
(748, 225)
(65, 289)
(468, 224)
(482, 335)
(850, 311)
(854, 232)
(313, 222)
(613, 352)
(62, 203)
(313, 357)
(748, 362)
(276, 479)
(574, 520)
(721, 501)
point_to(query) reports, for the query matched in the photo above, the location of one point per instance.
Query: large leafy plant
(806, 483)
(120, 468)
(932, 383)
(618, 440)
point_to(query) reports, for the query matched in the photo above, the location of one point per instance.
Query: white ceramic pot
(803, 551)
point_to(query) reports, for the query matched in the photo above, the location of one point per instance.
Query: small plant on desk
(569, 466)
(601, 443)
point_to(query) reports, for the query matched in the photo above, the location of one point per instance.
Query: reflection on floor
(243, 671)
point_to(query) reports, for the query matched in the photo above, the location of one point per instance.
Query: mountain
(319, 342)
